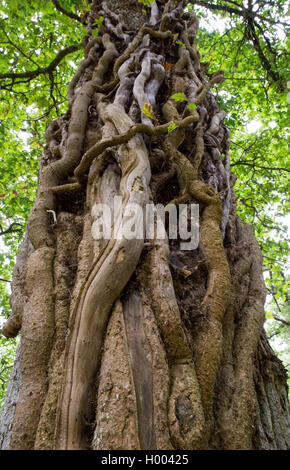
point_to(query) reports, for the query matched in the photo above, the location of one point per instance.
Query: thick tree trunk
(136, 344)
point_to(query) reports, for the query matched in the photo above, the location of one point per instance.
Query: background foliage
(247, 39)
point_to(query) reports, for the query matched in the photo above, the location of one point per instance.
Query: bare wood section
(141, 364)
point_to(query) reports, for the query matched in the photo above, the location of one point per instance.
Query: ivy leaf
(98, 21)
(146, 3)
(148, 111)
(180, 43)
(179, 97)
(168, 66)
(191, 106)
(175, 36)
(172, 126)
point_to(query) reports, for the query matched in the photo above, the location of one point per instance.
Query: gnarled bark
(134, 343)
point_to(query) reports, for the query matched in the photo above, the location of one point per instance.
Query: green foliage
(146, 3)
(97, 25)
(148, 111)
(172, 126)
(179, 97)
(278, 330)
(7, 352)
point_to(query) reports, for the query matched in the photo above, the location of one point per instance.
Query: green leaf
(172, 126)
(179, 97)
(148, 111)
(146, 3)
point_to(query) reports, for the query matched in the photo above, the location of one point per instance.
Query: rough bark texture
(136, 344)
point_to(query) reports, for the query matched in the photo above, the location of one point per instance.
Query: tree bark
(137, 344)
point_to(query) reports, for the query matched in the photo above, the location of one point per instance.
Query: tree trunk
(135, 343)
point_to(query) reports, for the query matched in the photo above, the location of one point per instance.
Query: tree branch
(18, 48)
(253, 165)
(66, 12)
(43, 70)
(265, 62)
(236, 11)
(280, 320)
(11, 229)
